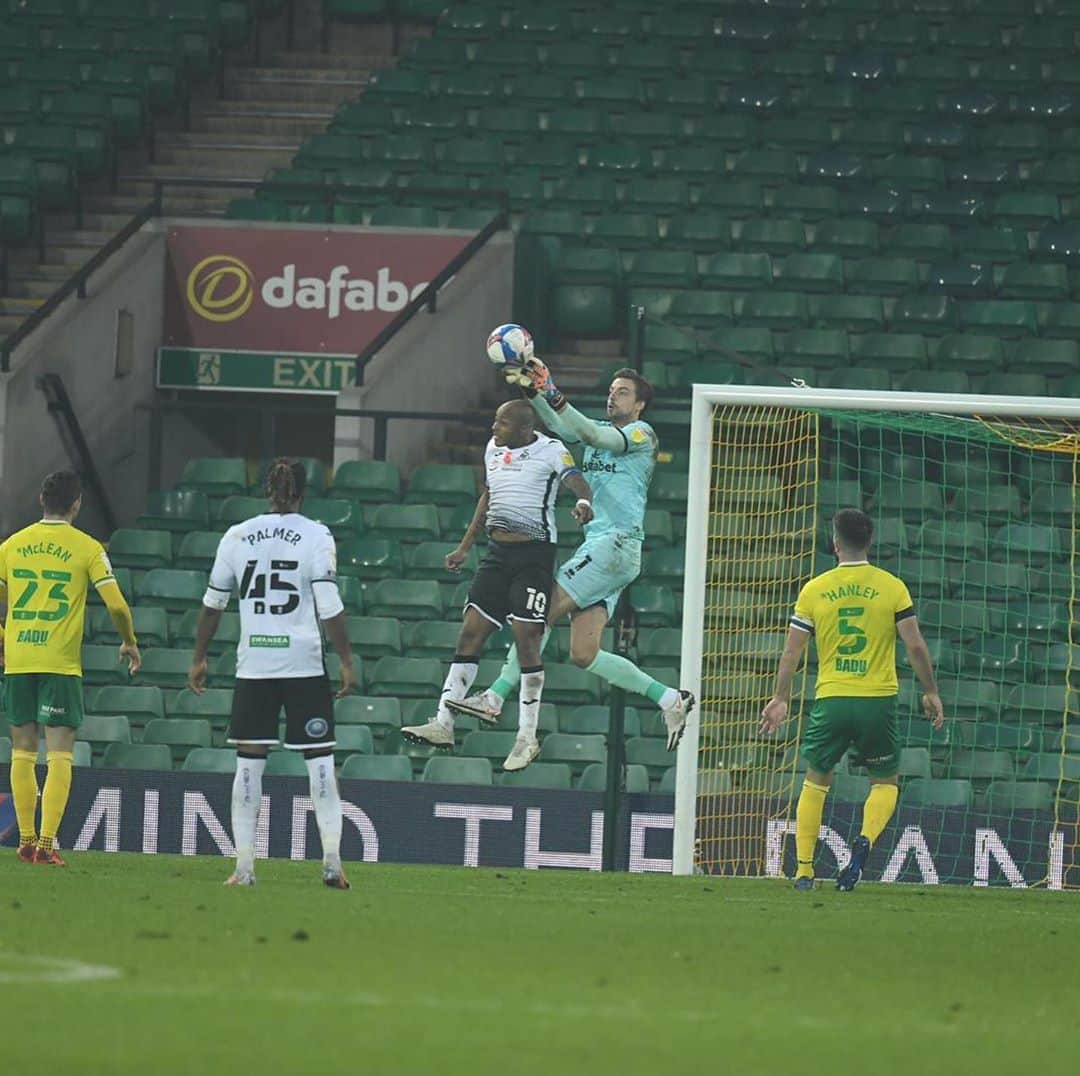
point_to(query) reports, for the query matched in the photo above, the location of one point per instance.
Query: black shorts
(309, 712)
(514, 582)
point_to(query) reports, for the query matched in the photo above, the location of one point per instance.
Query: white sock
(327, 803)
(246, 800)
(456, 686)
(529, 694)
(669, 698)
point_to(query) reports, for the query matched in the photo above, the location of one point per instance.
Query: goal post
(975, 504)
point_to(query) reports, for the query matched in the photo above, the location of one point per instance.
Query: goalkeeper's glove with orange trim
(535, 378)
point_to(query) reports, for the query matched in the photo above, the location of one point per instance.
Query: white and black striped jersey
(284, 569)
(522, 484)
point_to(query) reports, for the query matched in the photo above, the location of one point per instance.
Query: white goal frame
(705, 399)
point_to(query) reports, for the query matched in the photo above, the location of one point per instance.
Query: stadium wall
(436, 363)
(77, 342)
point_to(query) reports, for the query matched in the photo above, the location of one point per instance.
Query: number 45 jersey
(45, 570)
(284, 570)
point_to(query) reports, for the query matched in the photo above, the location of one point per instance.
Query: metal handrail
(77, 282)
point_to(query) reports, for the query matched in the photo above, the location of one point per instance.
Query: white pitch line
(28, 968)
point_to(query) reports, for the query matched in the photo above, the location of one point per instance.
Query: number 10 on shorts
(536, 601)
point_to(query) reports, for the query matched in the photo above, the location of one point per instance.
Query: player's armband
(216, 597)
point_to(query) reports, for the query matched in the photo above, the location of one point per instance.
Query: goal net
(974, 502)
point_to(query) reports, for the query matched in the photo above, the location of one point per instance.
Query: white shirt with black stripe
(284, 569)
(522, 485)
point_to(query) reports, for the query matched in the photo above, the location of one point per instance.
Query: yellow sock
(878, 809)
(807, 825)
(24, 790)
(55, 796)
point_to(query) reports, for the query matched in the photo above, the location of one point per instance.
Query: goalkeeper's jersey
(852, 612)
(620, 482)
(45, 570)
(284, 570)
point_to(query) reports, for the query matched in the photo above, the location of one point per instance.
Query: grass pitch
(147, 964)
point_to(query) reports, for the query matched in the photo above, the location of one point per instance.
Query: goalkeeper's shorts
(599, 568)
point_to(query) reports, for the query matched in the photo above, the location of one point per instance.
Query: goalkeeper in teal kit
(618, 465)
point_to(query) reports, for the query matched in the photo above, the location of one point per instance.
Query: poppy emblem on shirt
(508, 457)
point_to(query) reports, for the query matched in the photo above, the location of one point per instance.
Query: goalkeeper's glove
(534, 377)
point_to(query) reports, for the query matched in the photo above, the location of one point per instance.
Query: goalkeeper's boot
(50, 857)
(241, 877)
(523, 752)
(432, 734)
(485, 706)
(26, 852)
(333, 876)
(804, 884)
(675, 718)
(849, 877)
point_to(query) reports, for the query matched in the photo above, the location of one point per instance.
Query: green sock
(510, 673)
(625, 674)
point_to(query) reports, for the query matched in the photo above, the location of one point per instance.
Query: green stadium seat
(819, 348)
(883, 276)
(1026, 210)
(926, 241)
(179, 734)
(971, 353)
(215, 477)
(367, 480)
(739, 198)
(376, 768)
(171, 589)
(930, 792)
(354, 739)
(165, 668)
(1009, 797)
(210, 760)
(1052, 767)
(373, 636)
(738, 271)
(407, 599)
(428, 561)
(594, 721)
(811, 272)
(136, 548)
(593, 778)
(1029, 543)
(932, 315)
(177, 511)
(101, 729)
(213, 705)
(661, 194)
(774, 310)
(699, 309)
(891, 351)
(539, 775)
(567, 685)
(457, 771)
(101, 665)
(151, 626)
(1043, 282)
(1005, 317)
(488, 744)
(227, 636)
(1038, 621)
(804, 135)
(137, 756)
(650, 752)
(139, 704)
(859, 379)
(1050, 357)
(663, 269)
(576, 751)
(197, 551)
(285, 764)
(653, 605)
(848, 238)
(367, 558)
(771, 236)
(405, 523)
(1042, 704)
(855, 313)
(408, 677)
(237, 509)
(981, 766)
(626, 231)
(1016, 384)
(381, 715)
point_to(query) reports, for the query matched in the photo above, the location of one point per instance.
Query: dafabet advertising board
(285, 308)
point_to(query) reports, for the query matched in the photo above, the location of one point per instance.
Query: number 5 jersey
(45, 569)
(284, 570)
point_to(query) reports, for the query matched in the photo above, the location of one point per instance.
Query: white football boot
(485, 706)
(523, 752)
(675, 718)
(433, 734)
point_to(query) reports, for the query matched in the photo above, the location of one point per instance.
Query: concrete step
(19, 307)
(214, 141)
(287, 128)
(8, 324)
(313, 60)
(220, 161)
(300, 91)
(300, 75)
(39, 287)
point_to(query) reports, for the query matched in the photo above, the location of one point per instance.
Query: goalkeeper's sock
(625, 674)
(54, 796)
(510, 673)
(807, 826)
(24, 791)
(532, 688)
(878, 809)
(246, 801)
(327, 802)
(456, 686)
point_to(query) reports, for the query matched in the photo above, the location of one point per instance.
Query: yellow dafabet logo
(220, 288)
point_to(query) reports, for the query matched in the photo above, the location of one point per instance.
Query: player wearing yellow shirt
(854, 612)
(45, 570)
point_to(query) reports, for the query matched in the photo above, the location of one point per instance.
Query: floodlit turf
(451, 970)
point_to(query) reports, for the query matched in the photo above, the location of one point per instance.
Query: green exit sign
(253, 371)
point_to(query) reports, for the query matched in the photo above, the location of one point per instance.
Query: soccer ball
(510, 345)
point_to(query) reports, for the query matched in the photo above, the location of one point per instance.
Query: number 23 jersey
(284, 570)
